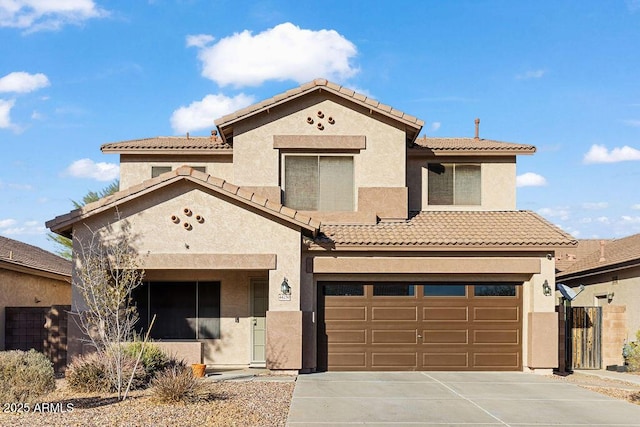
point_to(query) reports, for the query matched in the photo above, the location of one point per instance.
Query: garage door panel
(347, 360)
(394, 359)
(442, 361)
(492, 314)
(345, 313)
(452, 314)
(348, 337)
(448, 336)
(506, 361)
(394, 313)
(394, 336)
(496, 337)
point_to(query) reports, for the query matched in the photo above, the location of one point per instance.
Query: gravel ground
(256, 402)
(610, 387)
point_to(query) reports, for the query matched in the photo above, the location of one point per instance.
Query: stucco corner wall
(284, 340)
(542, 340)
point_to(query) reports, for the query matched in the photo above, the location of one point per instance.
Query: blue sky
(560, 75)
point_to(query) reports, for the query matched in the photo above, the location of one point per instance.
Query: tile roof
(63, 224)
(168, 145)
(566, 257)
(330, 87)
(467, 145)
(453, 229)
(33, 257)
(616, 252)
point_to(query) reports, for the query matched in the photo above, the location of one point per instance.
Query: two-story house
(315, 230)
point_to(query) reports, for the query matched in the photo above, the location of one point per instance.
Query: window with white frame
(319, 183)
(454, 184)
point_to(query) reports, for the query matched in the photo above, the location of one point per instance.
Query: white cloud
(530, 179)
(626, 219)
(600, 154)
(9, 222)
(632, 122)
(561, 212)
(531, 74)
(435, 126)
(21, 82)
(29, 227)
(603, 220)
(200, 115)
(5, 113)
(595, 206)
(199, 40)
(636, 206)
(38, 15)
(87, 168)
(284, 52)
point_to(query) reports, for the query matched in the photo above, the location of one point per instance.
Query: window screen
(454, 184)
(159, 170)
(319, 183)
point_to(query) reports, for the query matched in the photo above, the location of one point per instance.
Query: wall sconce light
(546, 289)
(285, 288)
(610, 296)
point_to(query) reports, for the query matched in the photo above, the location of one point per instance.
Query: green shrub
(177, 384)
(90, 373)
(153, 359)
(25, 376)
(631, 353)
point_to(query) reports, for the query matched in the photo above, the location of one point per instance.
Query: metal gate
(584, 337)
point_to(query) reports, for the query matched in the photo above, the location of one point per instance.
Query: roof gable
(63, 224)
(226, 122)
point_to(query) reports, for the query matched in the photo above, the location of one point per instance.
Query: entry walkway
(452, 399)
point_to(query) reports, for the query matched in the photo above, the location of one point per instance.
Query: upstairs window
(454, 184)
(319, 183)
(159, 170)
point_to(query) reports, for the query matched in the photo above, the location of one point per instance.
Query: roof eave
(43, 272)
(437, 248)
(465, 153)
(169, 152)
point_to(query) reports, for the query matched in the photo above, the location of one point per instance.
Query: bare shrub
(89, 373)
(177, 384)
(25, 376)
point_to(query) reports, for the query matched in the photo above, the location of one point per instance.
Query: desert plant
(176, 384)
(25, 376)
(153, 359)
(89, 373)
(631, 353)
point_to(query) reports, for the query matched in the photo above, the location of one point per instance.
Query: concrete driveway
(452, 399)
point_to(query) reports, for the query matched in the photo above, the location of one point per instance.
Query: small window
(159, 170)
(445, 290)
(202, 169)
(393, 290)
(494, 290)
(319, 183)
(454, 184)
(344, 290)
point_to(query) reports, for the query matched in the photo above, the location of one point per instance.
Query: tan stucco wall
(136, 168)
(25, 290)
(380, 164)
(498, 185)
(226, 229)
(626, 291)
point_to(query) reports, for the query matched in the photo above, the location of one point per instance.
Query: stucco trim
(436, 265)
(320, 142)
(209, 261)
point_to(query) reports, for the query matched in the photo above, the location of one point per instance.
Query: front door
(259, 307)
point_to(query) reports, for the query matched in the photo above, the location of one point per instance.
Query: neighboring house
(315, 230)
(32, 280)
(610, 272)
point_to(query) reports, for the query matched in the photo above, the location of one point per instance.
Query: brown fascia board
(436, 248)
(8, 265)
(172, 152)
(368, 103)
(594, 271)
(420, 152)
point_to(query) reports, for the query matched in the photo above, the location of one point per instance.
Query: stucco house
(315, 230)
(610, 273)
(35, 290)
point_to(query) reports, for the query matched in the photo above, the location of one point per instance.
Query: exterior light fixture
(610, 296)
(546, 289)
(285, 288)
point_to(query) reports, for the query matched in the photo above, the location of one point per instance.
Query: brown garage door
(419, 326)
